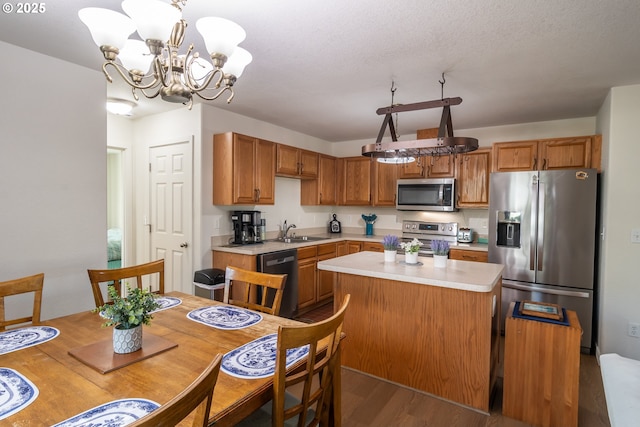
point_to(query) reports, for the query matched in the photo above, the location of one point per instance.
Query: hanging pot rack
(444, 144)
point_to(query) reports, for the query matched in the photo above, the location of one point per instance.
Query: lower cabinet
(372, 247)
(314, 286)
(466, 255)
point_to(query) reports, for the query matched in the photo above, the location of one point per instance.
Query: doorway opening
(115, 208)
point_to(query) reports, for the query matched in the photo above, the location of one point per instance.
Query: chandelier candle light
(175, 77)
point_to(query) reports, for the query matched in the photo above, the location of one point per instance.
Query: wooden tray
(541, 309)
(101, 357)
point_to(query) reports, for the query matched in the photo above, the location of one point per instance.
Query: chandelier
(405, 151)
(155, 66)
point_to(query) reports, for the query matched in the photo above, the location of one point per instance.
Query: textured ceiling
(323, 67)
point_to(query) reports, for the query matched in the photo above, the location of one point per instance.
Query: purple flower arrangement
(440, 247)
(390, 242)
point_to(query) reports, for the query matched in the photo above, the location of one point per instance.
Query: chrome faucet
(285, 229)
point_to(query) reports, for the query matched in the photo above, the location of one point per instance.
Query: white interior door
(171, 214)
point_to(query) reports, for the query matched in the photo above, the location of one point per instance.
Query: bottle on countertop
(263, 229)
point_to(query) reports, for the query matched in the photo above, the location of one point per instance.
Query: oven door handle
(533, 288)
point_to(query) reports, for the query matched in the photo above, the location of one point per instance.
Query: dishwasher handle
(277, 261)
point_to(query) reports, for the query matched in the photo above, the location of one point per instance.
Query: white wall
(53, 178)
(620, 292)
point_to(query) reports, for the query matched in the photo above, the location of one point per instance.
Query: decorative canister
(127, 340)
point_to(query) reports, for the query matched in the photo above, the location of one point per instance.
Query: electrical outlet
(635, 235)
(634, 329)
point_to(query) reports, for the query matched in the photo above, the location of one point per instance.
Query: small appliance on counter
(334, 225)
(246, 227)
(465, 235)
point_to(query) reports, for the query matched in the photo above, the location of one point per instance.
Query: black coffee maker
(246, 227)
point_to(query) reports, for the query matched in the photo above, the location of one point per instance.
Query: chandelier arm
(217, 95)
(191, 83)
(126, 78)
(153, 95)
(162, 73)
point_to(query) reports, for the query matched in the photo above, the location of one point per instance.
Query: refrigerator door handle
(540, 224)
(533, 288)
(534, 214)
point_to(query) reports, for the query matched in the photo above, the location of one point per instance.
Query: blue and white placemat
(113, 414)
(17, 339)
(257, 359)
(167, 302)
(16, 392)
(225, 317)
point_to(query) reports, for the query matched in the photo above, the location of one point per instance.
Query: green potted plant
(390, 244)
(411, 250)
(128, 314)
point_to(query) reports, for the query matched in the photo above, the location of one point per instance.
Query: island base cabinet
(541, 371)
(439, 340)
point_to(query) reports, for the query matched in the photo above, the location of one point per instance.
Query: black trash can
(206, 282)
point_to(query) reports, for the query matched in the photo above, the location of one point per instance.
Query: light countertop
(464, 275)
(273, 246)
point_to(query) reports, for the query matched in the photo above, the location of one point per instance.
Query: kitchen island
(432, 329)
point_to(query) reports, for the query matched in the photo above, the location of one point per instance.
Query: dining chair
(263, 288)
(117, 275)
(22, 286)
(197, 396)
(312, 404)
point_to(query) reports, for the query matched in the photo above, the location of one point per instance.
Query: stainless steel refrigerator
(542, 227)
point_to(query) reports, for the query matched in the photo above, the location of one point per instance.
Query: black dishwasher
(283, 262)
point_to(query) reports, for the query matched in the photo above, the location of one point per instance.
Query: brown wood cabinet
(542, 371)
(428, 166)
(314, 286)
(354, 187)
(384, 183)
(296, 162)
(307, 277)
(548, 154)
(243, 170)
(323, 190)
(472, 179)
(372, 246)
(353, 246)
(467, 255)
(223, 259)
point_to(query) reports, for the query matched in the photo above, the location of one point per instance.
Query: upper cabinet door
(323, 190)
(515, 156)
(384, 180)
(243, 170)
(565, 153)
(355, 181)
(265, 177)
(296, 163)
(472, 179)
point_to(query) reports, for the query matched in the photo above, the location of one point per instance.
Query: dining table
(68, 386)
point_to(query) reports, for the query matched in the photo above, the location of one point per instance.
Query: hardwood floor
(370, 402)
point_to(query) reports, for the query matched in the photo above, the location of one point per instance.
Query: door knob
(184, 245)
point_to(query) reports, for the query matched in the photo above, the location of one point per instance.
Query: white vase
(390, 255)
(440, 261)
(411, 257)
(127, 340)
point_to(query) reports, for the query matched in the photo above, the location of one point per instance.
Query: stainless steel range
(428, 231)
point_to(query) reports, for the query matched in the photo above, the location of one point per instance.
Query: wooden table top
(68, 387)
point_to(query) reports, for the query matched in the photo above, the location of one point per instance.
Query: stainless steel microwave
(426, 195)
